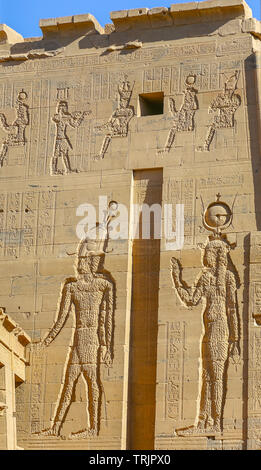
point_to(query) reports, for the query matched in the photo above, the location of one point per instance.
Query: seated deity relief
(224, 107)
(217, 285)
(183, 119)
(118, 124)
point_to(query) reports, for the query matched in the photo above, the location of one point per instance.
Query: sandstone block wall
(161, 106)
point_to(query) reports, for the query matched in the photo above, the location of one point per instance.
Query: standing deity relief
(118, 124)
(60, 163)
(15, 131)
(91, 295)
(217, 285)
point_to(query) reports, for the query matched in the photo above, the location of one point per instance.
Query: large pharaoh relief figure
(91, 295)
(217, 286)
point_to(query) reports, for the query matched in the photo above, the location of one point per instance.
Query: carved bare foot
(162, 151)
(202, 148)
(199, 430)
(83, 434)
(49, 432)
(189, 431)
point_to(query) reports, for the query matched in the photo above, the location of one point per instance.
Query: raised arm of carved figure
(3, 122)
(186, 294)
(76, 118)
(232, 314)
(64, 310)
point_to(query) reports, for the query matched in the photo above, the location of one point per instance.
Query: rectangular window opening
(150, 104)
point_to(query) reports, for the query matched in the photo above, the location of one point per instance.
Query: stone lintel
(252, 26)
(9, 35)
(84, 24)
(181, 13)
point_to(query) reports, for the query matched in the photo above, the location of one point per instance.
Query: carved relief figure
(217, 285)
(92, 296)
(16, 130)
(62, 119)
(225, 105)
(184, 118)
(118, 124)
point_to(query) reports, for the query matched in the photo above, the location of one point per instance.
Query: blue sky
(24, 15)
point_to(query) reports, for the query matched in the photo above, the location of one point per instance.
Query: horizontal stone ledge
(180, 13)
(85, 23)
(253, 26)
(9, 35)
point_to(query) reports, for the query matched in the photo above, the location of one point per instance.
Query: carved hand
(175, 267)
(234, 352)
(108, 359)
(37, 346)
(106, 356)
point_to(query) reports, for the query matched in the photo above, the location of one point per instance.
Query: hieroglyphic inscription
(255, 370)
(257, 299)
(38, 370)
(182, 192)
(157, 79)
(140, 55)
(176, 332)
(26, 222)
(45, 228)
(217, 181)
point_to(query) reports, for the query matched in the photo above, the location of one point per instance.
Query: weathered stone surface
(137, 341)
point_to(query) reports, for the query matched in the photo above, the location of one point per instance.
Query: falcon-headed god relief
(91, 295)
(217, 285)
(16, 130)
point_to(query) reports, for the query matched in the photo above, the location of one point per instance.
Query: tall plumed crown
(231, 82)
(125, 90)
(96, 241)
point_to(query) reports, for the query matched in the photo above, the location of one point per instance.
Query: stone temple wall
(141, 342)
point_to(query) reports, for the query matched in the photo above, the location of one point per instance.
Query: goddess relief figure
(217, 285)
